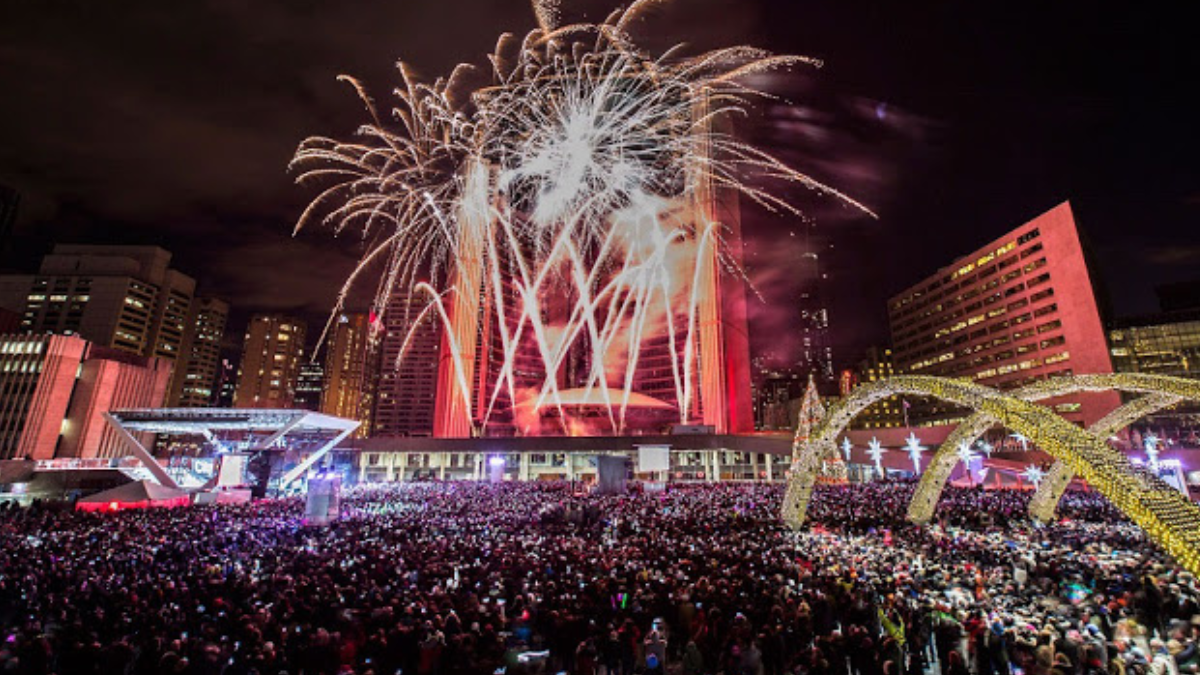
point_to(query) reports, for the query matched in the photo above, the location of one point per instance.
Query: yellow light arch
(1166, 515)
(1160, 392)
(1049, 493)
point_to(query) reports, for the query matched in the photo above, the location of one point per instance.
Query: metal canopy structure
(208, 422)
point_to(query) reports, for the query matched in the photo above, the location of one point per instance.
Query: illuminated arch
(1161, 391)
(1054, 485)
(1166, 515)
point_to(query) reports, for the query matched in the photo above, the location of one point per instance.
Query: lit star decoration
(913, 444)
(1034, 474)
(966, 455)
(875, 452)
(986, 447)
(847, 446)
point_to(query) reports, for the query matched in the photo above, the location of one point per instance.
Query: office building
(776, 396)
(310, 384)
(877, 364)
(124, 297)
(194, 380)
(1162, 344)
(408, 371)
(271, 356)
(1019, 309)
(350, 371)
(55, 389)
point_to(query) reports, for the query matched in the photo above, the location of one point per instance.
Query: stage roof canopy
(277, 423)
(207, 420)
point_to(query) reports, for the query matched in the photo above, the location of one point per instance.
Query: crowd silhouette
(446, 578)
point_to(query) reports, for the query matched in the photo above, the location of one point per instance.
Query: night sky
(173, 124)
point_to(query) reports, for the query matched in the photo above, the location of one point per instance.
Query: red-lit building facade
(719, 356)
(55, 389)
(1019, 309)
(713, 370)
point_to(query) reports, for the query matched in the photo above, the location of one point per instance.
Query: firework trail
(568, 169)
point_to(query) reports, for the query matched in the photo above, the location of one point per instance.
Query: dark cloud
(1185, 254)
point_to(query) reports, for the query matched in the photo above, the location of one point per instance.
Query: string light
(1161, 391)
(1049, 493)
(1167, 516)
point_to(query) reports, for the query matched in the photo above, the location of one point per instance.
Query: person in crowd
(458, 578)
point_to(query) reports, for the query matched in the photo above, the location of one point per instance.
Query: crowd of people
(446, 578)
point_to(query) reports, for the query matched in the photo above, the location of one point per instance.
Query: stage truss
(278, 424)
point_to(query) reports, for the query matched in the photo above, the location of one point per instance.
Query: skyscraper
(271, 358)
(194, 381)
(408, 371)
(1017, 310)
(310, 385)
(350, 370)
(125, 297)
(226, 385)
(815, 353)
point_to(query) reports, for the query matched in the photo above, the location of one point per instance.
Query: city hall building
(1018, 309)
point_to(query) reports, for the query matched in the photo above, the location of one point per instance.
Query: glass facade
(1166, 344)
(1166, 348)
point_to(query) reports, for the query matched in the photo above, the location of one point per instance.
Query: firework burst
(569, 168)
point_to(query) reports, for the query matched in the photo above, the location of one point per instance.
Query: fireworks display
(559, 202)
